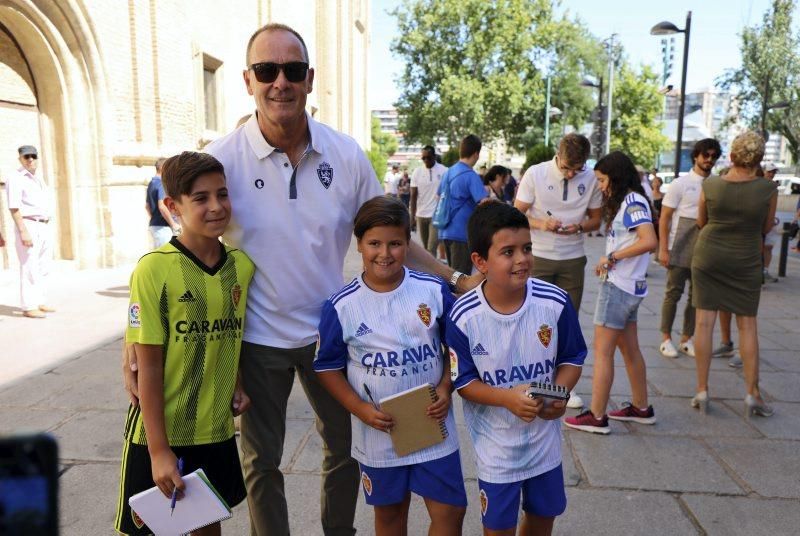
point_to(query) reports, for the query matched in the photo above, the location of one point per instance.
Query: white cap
(770, 167)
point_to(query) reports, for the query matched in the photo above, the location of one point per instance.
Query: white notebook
(200, 506)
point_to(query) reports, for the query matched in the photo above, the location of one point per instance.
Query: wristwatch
(580, 228)
(611, 258)
(454, 280)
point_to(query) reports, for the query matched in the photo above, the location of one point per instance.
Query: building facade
(105, 87)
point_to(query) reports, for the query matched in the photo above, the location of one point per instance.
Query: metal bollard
(784, 249)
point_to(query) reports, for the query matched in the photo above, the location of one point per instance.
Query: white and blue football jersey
(508, 350)
(390, 341)
(629, 274)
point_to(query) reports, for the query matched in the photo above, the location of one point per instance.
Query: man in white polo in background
(677, 234)
(562, 201)
(424, 185)
(390, 181)
(30, 203)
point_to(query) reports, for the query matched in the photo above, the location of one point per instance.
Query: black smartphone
(28, 485)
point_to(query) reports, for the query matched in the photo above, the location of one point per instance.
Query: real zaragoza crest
(367, 483)
(325, 174)
(545, 334)
(424, 313)
(236, 293)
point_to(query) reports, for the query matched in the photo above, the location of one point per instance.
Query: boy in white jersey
(503, 335)
(381, 335)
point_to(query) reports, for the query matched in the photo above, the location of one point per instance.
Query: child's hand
(240, 402)
(518, 403)
(165, 472)
(439, 409)
(370, 416)
(553, 410)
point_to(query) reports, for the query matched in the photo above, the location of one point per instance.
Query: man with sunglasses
(558, 196)
(295, 186)
(29, 200)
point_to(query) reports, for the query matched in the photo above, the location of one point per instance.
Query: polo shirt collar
(262, 148)
(554, 174)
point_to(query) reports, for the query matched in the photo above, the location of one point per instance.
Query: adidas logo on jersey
(479, 350)
(362, 330)
(187, 297)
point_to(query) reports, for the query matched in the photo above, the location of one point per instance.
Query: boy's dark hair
(180, 171)
(382, 211)
(470, 145)
(488, 219)
(493, 173)
(707, 144)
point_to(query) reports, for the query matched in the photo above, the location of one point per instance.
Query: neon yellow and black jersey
(197, 314)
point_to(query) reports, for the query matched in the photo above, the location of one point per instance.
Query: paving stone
(723, 384)
(104, 396)
(88, 499)
(31, 420)
(783, 359)
(32, 390)
(740, 516)
(784, 386)
(296, 431)
(768, 466)
(601, 512)
(298, 407)
(310, 458)
(788, 341)
(677, 418)
(620, 387)
(650, 463)
(785, 424)
(91, 435)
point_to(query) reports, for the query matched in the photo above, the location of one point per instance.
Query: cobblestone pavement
(688, 474)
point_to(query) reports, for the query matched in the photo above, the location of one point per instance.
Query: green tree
(635, 115)
(538, 154)
(384, 145)
(476, 66)
(770, 73)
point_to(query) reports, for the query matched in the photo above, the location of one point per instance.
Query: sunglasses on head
(267, 72)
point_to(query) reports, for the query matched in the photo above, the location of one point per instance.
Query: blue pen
(175, 491)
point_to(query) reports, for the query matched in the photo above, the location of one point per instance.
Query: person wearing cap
(29, 201)
(770, 170)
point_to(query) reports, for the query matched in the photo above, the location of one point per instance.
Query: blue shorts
(440, 480)
(615, 307)
(542, 495)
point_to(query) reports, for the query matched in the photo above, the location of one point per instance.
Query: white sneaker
(668, 349)
(687, 348)
(574, 402)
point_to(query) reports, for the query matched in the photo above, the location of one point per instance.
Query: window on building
(211, 94)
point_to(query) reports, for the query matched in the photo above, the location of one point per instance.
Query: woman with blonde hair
(735, 211)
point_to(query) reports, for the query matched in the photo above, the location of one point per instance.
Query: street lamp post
(766, 108)
(547, 116)
(665, 28)
(588, 83)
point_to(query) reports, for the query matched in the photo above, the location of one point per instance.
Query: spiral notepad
(200, 506)
(413, 429)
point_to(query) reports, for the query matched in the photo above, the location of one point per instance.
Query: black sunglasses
(267, 72)
(30, 157)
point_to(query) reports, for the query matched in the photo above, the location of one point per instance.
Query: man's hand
(26, 239)
(240, 402)
(370, 416)
(130, 372)
(469, 282)
(439, 409)
(165, 472)
(663, 258)
(553, 410)
(551, 224)
(518, 403)
(570, 229)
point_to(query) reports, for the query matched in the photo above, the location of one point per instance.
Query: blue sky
(714, 46)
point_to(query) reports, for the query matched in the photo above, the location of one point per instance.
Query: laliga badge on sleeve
(453, 365)
(134, 316)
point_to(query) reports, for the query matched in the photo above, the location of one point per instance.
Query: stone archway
(57, 41)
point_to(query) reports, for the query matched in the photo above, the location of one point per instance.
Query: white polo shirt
(426, 181)
(683, 196)
(29, 194)
(544, 187)
(296, 232)
(390, 181)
